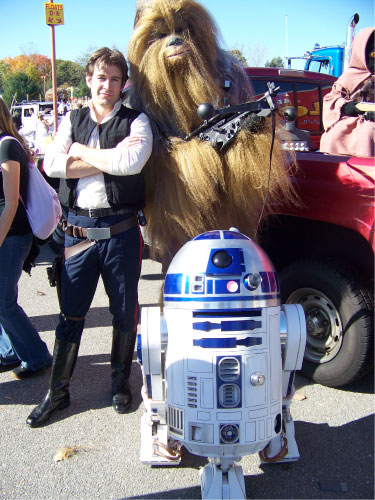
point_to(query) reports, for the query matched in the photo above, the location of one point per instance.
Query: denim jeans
(7, 354)
(24, 338)
(118, 261)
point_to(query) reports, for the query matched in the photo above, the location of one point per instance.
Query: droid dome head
(221, 269)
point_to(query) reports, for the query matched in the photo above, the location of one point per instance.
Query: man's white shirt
(122, 160)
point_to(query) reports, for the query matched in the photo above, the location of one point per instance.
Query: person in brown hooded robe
(348, 128)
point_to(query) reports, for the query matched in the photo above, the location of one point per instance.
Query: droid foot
(216, 484)
(282, 448)
(154, 444)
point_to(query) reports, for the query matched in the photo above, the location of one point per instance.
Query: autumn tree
(33, 65)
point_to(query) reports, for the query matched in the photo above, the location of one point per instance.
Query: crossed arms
(66, 159)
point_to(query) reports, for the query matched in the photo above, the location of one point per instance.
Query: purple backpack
(43, 208)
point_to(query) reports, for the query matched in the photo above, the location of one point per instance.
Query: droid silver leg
(283, 447)
(222, 483)
(156, 448)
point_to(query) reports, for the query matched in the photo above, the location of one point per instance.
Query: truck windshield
(320, 66)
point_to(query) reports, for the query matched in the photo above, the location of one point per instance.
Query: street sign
(54, 13)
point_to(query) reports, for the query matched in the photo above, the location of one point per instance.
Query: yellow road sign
(54, 13)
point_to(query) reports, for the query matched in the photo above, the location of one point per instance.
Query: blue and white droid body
(217, 372)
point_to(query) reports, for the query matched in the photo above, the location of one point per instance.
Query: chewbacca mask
(176, 63)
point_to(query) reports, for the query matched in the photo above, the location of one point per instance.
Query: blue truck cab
(328, 60)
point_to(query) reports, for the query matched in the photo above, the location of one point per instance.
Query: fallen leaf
(66, 452)
(299, 396)
(40, 293)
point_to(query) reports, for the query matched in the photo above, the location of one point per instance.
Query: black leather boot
(64, 358)
(123, 344)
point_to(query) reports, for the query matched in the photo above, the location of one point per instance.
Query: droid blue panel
(223, 287)
(210, 235)
(173, 283)
(225, 261)
(270, 282)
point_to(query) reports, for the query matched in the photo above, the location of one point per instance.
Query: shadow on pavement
(345, 463)
(365, 385)
(90, 387)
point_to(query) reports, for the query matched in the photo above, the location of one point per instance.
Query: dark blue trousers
(118, 261)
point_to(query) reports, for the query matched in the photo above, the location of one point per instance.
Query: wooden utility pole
(54, 85)
(54, 15)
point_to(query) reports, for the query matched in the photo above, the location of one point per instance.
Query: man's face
(105, 85)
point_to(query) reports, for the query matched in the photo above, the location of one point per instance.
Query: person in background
(99, 153)
(17, 120)
(29, 127)
(42, 128)
(21, 343)
(348, 128)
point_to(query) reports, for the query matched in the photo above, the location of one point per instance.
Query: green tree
(71, 73)
(82, 90)
(275, 62)
(22, 86)
(4, 72)
(239, 56)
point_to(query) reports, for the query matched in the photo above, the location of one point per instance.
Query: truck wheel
(339, 320)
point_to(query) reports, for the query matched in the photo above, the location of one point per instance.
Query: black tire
(339, 318)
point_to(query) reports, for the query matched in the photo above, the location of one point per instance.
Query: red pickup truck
(324, 250)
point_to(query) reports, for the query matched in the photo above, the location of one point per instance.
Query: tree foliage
(69, 72)
(237, 53)
(275, 62)
(34, 65)
(21, 86)
(37, 68)
(4, 72)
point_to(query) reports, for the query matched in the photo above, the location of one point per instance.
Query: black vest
(125, 191)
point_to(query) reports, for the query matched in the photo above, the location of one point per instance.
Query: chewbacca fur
(191, 188)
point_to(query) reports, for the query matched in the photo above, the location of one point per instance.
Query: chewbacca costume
(176, 64)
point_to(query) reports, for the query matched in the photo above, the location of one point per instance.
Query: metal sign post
(54, 16)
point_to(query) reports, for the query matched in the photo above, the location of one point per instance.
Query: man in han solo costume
(99, 153)
(176, 63)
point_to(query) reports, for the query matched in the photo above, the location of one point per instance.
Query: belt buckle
(98, 233)
(91, 213)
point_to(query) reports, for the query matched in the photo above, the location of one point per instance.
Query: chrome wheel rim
(323, 324)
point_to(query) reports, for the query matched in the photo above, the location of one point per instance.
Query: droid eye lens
(222, 259)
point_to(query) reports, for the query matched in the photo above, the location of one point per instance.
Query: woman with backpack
(21, 347)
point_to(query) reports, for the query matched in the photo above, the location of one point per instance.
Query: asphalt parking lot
(334, 427)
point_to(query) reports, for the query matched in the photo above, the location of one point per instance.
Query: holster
(54, 274)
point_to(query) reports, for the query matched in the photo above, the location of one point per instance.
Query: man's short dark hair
(108, 56)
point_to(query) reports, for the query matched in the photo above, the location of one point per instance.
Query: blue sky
(256, 28)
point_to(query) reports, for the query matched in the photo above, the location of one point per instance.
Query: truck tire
(339, 319)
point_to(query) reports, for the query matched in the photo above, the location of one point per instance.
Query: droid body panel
(216, 378)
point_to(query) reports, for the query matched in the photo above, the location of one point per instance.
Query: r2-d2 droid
(219, 364)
